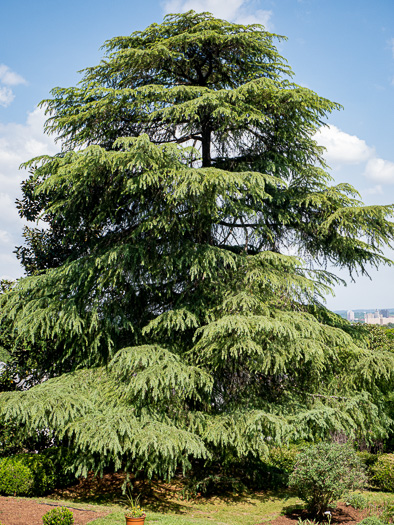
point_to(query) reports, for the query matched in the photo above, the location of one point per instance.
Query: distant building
(350, 315)
(385, 313)
(378, 318)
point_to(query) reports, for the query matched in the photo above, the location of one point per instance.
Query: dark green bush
(59, 516)
(280, 463)
(324, 472)
(368, 460)
(62, 459)
(383, 472)
(50, 469)
(16, 478)
(43, 472)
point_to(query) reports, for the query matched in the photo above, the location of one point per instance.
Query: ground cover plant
(183, 337)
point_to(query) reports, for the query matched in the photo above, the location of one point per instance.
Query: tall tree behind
(188, 170)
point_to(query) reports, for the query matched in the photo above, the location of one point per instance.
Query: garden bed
(343, 515)
(26, 511)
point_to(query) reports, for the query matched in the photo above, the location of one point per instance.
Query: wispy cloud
(6, 96)
(239, 11)
(8, 78)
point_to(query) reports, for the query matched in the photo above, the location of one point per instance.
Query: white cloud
(18, 143)
(9, 77)
(239, 11)
(342, 148)
(6, 96)
(380, 170)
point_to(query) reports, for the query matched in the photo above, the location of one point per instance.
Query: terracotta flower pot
(135, 521)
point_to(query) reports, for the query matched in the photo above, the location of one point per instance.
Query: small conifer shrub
(58, 516)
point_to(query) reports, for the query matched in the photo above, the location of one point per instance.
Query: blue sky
(342, 49)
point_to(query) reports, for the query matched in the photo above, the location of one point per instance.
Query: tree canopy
(188, 174)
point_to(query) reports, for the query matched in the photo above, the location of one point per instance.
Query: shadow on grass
(157, 496)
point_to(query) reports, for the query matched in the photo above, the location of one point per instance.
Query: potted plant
(133, 512)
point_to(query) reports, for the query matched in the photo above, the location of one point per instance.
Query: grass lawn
(237, 510)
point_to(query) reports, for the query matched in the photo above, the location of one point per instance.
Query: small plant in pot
(134, 514)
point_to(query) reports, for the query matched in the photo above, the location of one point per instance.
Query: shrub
(280, 463)
(383, 472)
(368, 460)
(16, 478)
(357, 501)
(283, 458)
(59, 516)
(43, 471)
(63, 460)
(324, 472)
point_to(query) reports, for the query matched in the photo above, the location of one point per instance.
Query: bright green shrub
(43, 471)
(16, 478)
(59, 516)
(324, 472)
(383, 472)
(50, 469)
(284, 458)
(357, 501)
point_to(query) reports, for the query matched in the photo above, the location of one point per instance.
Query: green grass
(237, 510)
(241, 510)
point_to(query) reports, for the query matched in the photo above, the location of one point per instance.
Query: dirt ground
(21, 511)
(342, 515)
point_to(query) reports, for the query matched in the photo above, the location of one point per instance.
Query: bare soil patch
(342, 515)
(24, 511)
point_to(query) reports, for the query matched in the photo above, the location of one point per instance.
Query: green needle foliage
(183, 330)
